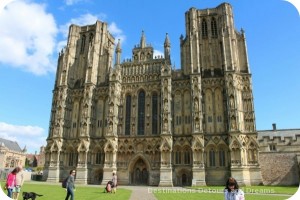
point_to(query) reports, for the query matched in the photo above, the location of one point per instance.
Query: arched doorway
(97, 176)
(184, 180)
(140, 174)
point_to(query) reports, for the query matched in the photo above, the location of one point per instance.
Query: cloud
(27, 37)
(72, 2)
(33, 137)
(157, 53)
(116, 32)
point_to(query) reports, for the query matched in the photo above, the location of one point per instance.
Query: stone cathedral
(150, 123)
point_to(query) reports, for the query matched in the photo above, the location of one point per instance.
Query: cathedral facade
(151, 124)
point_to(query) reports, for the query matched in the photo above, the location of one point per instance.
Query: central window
(128, 115)
(141, 113)
(154, 113)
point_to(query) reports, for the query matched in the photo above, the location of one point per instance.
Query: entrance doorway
(184, 180)
(140, 174)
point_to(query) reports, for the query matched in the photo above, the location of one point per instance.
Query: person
(232, 191)
(11, 181)
(114, 183)
(70, 188)
(19, 183)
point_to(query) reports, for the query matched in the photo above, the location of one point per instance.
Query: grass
(89, 192)
(55, 191)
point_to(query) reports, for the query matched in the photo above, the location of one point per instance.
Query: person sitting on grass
(232, 191)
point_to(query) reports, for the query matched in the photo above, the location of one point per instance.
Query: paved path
(140, 192)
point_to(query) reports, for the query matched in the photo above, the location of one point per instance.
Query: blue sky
(34, 31)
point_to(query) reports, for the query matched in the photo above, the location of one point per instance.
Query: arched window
(99, 158)
(214, 30)
(73, 158)
(82, 44)
(187, 158)
(212, 158)
(91, 38)
(177, 157)
(141, 113)
(204, 28)
(128, 115)
(154, 113)
(222, 158)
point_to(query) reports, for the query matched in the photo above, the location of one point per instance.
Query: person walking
(11, 181)
(19, 183)
(232, 191)
(70, 188)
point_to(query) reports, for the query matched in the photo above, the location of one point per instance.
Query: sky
(34, 31)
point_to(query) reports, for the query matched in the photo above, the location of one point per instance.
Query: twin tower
(150, 124)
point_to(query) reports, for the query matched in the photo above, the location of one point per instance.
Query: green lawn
(55, 191)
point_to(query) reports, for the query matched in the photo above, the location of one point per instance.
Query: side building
(279, 156)
(151, 124)
(11, 155)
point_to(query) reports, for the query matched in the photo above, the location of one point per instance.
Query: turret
(167, 46)
(143, 40)
(142, 52)
(118, 53)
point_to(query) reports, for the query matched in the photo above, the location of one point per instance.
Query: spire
(118, 49)
(143, 40)
(167, 46)
(167, 41)
(118, 53)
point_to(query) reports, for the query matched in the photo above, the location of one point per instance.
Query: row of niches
(142, 69)
(141, 78)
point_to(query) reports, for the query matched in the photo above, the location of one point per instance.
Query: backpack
(64, 183)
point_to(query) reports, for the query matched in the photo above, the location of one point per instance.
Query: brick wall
(279, 168)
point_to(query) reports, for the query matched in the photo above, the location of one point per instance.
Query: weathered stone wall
(279, 168)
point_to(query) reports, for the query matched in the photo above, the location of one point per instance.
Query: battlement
(283, 140)
(282, 135)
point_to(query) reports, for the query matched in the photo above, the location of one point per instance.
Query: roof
(11, 145)
(282, 133)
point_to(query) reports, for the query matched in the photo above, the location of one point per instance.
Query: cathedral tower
(215, 53)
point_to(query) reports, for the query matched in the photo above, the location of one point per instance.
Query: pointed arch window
(73, 158)
(154, 113)
(187, 158)
(141, 113)
(214, 30)
(128, 115)
(177, 156)
(222, 158)
(82, 44)
(99, 158)
(212, 158)
(204, 28)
